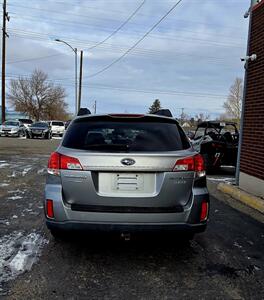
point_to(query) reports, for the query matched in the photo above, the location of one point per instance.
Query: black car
(217, 142)
(39, 130)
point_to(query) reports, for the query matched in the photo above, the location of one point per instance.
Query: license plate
(128, 182)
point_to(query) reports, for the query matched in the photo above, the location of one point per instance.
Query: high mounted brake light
(126, 115)
(192, 163)
(59, 162)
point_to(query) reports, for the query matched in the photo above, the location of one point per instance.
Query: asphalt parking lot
(225, 262)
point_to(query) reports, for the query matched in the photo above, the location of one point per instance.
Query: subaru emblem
(128, 161)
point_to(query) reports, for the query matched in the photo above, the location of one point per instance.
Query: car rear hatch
(126, 164)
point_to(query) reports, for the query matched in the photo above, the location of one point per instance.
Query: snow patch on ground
(3, 165)
(41, 171)
(229, 180)
(16, 197)
(26, 170)
(18, 252)
(4, 222)
(14, 174)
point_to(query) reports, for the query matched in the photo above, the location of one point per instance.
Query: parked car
(217, 142)
(26, 122)
(39, 130)
(12, 128)
(57, 127)
(127, 173)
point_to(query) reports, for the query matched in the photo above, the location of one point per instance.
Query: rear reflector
(192, 163)
(204, 211)
(59, 161)
(49, 209)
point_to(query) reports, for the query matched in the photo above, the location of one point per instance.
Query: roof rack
(163, 112)
(83, 111)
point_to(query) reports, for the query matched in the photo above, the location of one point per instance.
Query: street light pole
(76, 65)
(4, 35)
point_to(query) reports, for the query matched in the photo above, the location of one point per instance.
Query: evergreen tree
(155, 106)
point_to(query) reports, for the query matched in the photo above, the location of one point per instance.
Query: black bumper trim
(126, 209)
(72, 226)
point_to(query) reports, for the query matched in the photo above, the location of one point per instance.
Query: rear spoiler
(163, 112)
(83, 111)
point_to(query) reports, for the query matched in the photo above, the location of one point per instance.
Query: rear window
(40, 125)
(26, 121)
(57, 123)
(127, 135)
(11, 123)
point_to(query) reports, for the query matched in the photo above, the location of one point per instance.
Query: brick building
(251, 176)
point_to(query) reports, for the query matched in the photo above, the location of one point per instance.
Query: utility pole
(80, 83)
(182, 115)
(94, 107)
(4, 35)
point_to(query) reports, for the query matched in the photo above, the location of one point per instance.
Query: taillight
(184, 164)
(59, 162)
(193, 163)
(49, 209)
(69, 163)
(204, 211)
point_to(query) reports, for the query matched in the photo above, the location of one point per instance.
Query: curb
(236, 193)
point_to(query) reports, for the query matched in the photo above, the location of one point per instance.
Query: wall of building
(252, 151)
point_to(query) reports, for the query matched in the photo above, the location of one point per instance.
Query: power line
(86, 44)
(120, 27)
(191, 39)
(93, 17)
(127, 89)
(148, 53)
(31, 59)
(140, 40)
(71, 23)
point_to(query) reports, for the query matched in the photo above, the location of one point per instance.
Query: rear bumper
(9, 133)
(105, 218)
(79, 226)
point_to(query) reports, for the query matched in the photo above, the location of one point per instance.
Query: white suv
(57, 128)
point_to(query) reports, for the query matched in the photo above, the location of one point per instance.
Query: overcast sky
(189, 61)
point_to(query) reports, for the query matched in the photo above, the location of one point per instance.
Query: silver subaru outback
(126, 173)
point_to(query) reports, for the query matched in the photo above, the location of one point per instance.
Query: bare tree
(38, 97)
(202, 117)
(233, 105)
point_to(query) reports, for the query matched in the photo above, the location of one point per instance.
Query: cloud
(196, 49)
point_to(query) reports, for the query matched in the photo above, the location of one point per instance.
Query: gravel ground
(225, 262)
